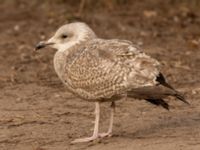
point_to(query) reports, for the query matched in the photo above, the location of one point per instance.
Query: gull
(106, 70)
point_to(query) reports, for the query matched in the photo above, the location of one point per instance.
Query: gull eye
(64, 36)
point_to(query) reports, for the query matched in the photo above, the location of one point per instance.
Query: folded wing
(109, 68)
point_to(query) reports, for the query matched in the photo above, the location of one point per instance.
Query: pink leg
(96, 127)
(109, 132)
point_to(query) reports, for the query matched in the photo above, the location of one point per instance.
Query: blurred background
(169, 28)
(33, 100)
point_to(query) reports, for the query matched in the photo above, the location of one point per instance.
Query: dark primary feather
(177, 94)
(155, 94)
(161, 79)
(159, 102)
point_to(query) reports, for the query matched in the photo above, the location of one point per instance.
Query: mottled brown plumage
(102, 70)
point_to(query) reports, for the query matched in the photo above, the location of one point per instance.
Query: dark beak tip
(39, 46)
(36, 49)
(42, 44)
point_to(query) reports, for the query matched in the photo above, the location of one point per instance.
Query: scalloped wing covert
(101, 69)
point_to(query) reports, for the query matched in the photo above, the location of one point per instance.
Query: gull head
(67, 36)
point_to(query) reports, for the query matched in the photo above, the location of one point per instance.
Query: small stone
(150, 13)
(17, 28)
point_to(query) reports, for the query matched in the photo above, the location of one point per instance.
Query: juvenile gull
(100, 70)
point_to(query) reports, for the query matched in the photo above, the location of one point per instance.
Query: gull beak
(42, 44)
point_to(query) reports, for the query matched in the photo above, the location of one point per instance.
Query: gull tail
(155, 94)
(177, 94)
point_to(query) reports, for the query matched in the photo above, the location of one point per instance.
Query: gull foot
(92, 138)
(82, 140)
(107, 134)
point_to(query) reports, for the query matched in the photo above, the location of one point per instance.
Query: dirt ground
(36, 111)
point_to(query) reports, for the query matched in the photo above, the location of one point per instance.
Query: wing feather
(107, 68)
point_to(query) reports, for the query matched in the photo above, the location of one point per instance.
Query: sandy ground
(36, 111)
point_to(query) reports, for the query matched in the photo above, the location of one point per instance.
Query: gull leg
(109, 132)
(96, 127)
